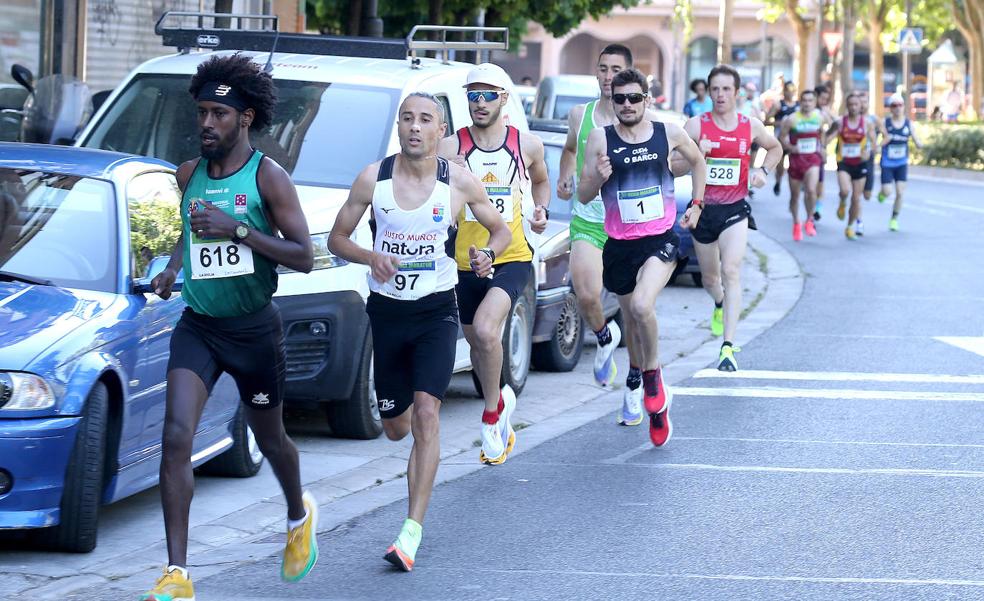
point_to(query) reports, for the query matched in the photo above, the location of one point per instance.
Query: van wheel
(358, 416)
(517, 346)
(243, 459)
(563, 351)
(82, 493)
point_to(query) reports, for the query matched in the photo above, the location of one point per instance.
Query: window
(154, 204)
(322, 134)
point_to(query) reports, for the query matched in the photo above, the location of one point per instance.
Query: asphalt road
(845, 462)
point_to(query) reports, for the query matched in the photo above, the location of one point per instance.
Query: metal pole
(905, 63)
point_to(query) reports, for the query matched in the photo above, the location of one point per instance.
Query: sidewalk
(239, 520)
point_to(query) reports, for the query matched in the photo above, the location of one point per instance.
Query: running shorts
(512, 278)
(413, 348)
(593, 233)
(250, 348)
(799, 164)
(859, 171)
(894, 174)
(622, 259)
(714, 219)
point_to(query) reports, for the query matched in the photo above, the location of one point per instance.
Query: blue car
(84, 344)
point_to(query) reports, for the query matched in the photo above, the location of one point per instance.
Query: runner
(511, 166)
(412, 307)
(588, 235)
(801, 136)
(628, 163)
(895, 156)
(823, 104)
(877, 129)
(726, 137)
(854, 133)
(777, 113)
(234, 201)
(700, 103)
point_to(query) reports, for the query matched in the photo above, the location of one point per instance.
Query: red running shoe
(797, 232)
(654, 398)
(660, 428)
(811, 230)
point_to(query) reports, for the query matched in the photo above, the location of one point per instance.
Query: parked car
(556, 304)
(84, 345)
(337, 111)
(527, 94)
(558, 94)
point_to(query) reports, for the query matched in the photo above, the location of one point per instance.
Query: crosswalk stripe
(829, 393)
(839, 376)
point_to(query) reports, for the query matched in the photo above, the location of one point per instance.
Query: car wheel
(358, 416)
(243, 459)
(82, 493)
(698, 280)
(517, 346)
(563, 351)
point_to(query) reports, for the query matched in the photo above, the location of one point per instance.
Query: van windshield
(323, 134)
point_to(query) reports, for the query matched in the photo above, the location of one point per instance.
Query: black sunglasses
(633, 98)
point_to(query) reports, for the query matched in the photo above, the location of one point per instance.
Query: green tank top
(594, 211)
(221, 278)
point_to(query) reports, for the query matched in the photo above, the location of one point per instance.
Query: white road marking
(744, 577)
(837, 471)
(839, 376)
(829, 393)
(974, 344)
(953, 205)
(915, 207)
(831, 442)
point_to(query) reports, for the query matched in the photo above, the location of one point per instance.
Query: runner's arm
(915, 139)
(539, 178)
(831, 132)
(467, 184)
(773, 149)
(679, 165)
(682, 143)
(568, 156)
(340, 241)
(595, 157)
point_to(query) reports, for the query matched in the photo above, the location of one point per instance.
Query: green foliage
(949, 145)
(934, 16)
(154, 224)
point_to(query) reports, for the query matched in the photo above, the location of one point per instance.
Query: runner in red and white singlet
(726, 137)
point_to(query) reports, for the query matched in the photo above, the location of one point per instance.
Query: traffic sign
(910, 40)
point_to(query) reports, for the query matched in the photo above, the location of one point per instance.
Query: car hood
(33, 318)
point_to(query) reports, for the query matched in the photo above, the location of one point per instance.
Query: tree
(724, 31)
(877, 16)
(969, 17)
(796, 13)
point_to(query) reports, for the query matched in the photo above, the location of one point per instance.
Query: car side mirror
(23, 76)
(143, 287)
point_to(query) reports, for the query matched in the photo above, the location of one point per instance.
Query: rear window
(564, 104)
(323, 134)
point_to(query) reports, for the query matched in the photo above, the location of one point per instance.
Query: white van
(336, 114)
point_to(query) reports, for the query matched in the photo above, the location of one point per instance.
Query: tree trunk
(876, 53)
(847, 52)
(724, 32)
(975, 14)
(435, 11)
(972, 36)
(353, 20)
(802, 27)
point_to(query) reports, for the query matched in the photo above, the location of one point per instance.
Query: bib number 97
(405, 282)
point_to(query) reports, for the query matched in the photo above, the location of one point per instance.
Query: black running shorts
(249, 348)
(511, 277)
(622, 259)
(859, 171)
(414, 345)
(714, 219)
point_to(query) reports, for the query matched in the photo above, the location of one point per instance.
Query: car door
(153, 202)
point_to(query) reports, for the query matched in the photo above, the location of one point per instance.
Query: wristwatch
(489, 253)
(546, 212)
(240, 233)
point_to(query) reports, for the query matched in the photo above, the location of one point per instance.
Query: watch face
(242, 231)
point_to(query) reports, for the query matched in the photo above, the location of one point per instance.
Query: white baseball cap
(489, 74)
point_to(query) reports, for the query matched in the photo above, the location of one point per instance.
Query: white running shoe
(493, 451)
(604, 361)
(631, 413)
(506, 432)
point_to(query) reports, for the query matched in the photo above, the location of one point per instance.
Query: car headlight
(550, 250)
(323, 259)
(21, 391)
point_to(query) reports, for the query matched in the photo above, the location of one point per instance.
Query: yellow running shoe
(173, 585)
(849, 232)
(717, 321)
(301, 552)
(893, 224)
(841, 210)
(726, 360)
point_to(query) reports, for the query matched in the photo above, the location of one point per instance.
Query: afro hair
(247, 78)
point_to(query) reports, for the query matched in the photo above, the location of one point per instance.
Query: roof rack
(185, 30)
(442, 45)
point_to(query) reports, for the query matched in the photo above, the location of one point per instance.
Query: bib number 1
(640, 206)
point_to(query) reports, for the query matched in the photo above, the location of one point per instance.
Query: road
(844, 461)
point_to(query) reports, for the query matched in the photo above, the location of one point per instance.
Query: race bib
(212, 259)
(723, 172)
(897, 151)
(806, 145)
(640, 206)
(501, 198)
(851, 151)
(413, 280)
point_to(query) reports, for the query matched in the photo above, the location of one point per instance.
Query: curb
(952, 174)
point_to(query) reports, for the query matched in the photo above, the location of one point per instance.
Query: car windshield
(58, 228)
(323, 134)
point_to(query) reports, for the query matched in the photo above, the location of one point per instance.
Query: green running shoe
(726, 360)
(893, 224)
(882, 197)
(717, 321)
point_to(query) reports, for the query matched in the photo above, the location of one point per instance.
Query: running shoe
(493, 450)
(660, 427)
(726, 360)
(817, 210)
(849, 232)
(301, 552)
(810, 229)
(403, 551)
(173, 585)
(398, 557)
(658, 402)
(777, 187)
(893, 224)
(882, 197)
(717, 321)
(859, 228)
(506, 432)
(631, 413)
(841, 210)
(604, 362)
(797, 232)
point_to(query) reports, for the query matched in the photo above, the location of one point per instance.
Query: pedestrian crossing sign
(910, 40)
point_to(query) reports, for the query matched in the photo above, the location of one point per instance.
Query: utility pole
(906, 63)
(372, 25)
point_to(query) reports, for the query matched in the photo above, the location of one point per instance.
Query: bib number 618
(229, 254)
